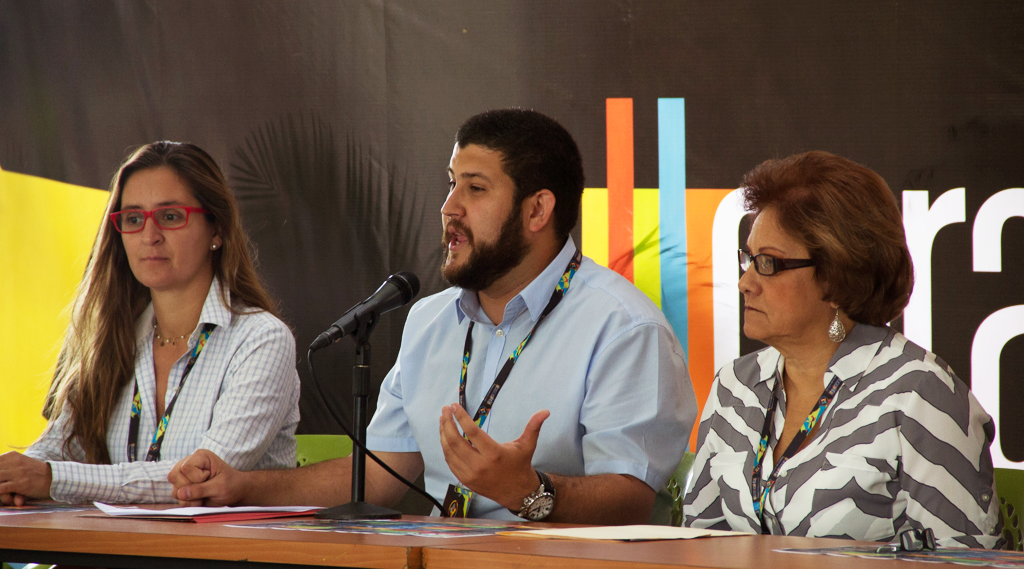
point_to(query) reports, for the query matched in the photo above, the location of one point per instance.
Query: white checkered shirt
(239, 401)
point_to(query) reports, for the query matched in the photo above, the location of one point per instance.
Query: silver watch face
(541, 507)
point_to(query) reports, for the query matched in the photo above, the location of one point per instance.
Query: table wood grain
(132, 543)
(83, 532)
(742, 552)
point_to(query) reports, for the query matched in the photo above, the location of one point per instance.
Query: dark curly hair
(537, 153)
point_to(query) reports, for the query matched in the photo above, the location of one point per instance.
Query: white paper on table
(32, 508)
(195, 511)
(628, 533)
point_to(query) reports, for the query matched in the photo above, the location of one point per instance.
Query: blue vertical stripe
(672, 208)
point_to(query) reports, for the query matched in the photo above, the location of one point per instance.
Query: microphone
(396, 292)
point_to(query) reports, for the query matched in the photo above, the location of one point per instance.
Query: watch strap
(545, 480)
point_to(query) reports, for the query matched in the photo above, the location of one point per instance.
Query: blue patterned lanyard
(499, 381)
(760, 491)
(153, 454)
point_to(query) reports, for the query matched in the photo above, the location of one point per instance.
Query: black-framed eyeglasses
(767, 265)
(911, 540)
(167, 217)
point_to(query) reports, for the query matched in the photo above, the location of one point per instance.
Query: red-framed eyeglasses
(167, 217)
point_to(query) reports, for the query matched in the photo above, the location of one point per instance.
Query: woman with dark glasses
(173, 346)
(841, 427)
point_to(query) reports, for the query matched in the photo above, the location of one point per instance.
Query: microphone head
(407, 283)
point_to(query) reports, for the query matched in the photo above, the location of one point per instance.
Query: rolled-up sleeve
(389, 430)
(639, 406)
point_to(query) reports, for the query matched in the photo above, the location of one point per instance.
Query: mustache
(457, 226)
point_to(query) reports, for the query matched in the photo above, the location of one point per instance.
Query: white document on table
(195, 511)
(628, 533)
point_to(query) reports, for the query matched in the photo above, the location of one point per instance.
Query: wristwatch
(539, 503)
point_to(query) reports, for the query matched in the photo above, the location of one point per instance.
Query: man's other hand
(203, 479)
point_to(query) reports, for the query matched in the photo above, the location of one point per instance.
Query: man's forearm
(326, 484)
(329, 483)
(603, 499)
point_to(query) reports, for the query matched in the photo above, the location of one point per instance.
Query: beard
(487, 262)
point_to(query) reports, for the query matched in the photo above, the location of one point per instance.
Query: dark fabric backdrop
(334, 120)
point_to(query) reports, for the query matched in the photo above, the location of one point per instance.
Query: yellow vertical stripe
(646, 245)
(646, 255)
(595, 224)
(46, 231)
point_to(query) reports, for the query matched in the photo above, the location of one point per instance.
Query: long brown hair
(97, 360)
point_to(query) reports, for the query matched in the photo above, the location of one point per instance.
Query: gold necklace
(164, 341)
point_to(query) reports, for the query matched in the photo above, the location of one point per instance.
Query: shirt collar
(854, 355)
(534, 297)
(214, 312)
(849, 363)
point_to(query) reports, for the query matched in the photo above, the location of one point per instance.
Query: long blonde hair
(98, 356)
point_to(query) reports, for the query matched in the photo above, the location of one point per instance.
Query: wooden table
(70, 538)
(743, 552)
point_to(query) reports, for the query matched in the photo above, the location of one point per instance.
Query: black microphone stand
(358, 509)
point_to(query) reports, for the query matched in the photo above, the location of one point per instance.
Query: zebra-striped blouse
(904, 444)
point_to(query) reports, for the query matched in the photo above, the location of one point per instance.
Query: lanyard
(499, 381)
(759, 491)
(153, 454)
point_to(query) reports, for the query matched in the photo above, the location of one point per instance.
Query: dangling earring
(836, 330)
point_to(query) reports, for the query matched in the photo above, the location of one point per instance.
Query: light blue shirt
(605, 363)
(241, 401)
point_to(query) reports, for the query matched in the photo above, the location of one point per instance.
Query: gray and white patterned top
(904, 444)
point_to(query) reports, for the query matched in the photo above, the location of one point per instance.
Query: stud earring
(213, 247)
(836, 330)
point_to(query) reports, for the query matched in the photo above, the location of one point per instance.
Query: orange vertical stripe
(620, 185)
(701, 206)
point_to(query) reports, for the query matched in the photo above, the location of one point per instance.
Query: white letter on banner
(988, 228)
(921, 223)
(725, 277)
(999, 328)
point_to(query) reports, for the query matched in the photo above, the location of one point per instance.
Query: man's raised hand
(502, 472)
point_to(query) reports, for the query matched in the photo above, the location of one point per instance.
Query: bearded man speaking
(541, 385)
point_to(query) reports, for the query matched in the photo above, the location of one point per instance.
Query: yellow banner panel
(46, 231)
(595, 224)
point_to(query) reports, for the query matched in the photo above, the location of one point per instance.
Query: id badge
(456, 502)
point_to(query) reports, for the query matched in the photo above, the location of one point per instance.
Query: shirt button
(499, 333)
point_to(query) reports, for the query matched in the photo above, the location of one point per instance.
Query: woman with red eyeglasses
(173, 346)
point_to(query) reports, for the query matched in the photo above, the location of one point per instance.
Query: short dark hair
(847, 217)
(537, 153)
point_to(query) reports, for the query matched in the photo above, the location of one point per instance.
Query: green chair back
(668, 503)
(1010, 489)
(318, 448)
